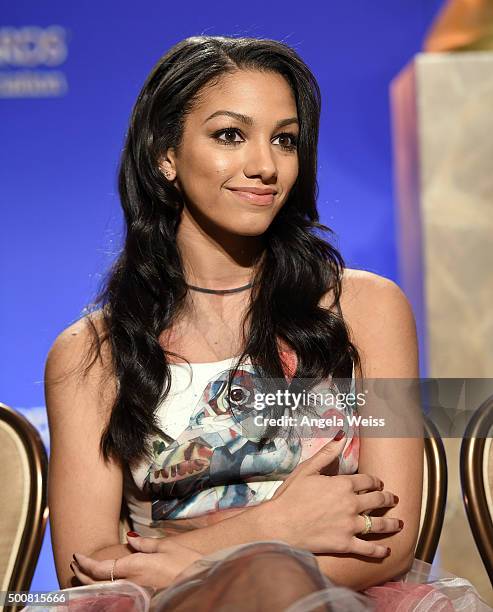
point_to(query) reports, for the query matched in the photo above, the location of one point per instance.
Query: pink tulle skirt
(273, 576)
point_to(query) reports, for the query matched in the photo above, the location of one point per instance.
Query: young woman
(224, 281)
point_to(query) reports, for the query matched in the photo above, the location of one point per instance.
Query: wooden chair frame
(37, 514)
(474, 482)
(436, 494)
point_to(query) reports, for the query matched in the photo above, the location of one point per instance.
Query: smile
(254, 198)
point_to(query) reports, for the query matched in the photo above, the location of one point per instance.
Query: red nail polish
(339, 435)
(133, 534)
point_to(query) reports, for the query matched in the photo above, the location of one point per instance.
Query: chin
(252, 233)
(247, 231)
(249, 228)
(256, 223)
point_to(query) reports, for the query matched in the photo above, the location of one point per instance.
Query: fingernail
(396, 499)
(401, 524)
(340, 435)
(133, 534)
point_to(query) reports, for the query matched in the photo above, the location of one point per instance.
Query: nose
(260, 161)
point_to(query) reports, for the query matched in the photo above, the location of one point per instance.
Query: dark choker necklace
(220, 291)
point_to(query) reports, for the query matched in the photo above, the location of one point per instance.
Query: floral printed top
(210, 456)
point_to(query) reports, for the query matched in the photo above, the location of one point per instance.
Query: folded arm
(385, 334)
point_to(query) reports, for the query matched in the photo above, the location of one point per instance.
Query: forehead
(250, 92)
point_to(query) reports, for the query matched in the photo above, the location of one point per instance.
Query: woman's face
(241, 135)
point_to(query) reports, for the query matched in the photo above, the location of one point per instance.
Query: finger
(97, 570)
(316, 463)
(147, 545)
(321, 458)
(375, 499)
(81, 577)
(365, 482)
(369, 549)
(381, 524)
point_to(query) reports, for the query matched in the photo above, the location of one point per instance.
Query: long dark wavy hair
(144, 291)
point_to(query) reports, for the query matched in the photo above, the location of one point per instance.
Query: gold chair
(23, 502)
(476, 472)
(433, 501)
(434, 494)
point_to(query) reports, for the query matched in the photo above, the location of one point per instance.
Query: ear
(167, 164)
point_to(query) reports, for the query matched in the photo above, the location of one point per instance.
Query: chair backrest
(476, 473)
(432, 505)
(23, 502)
(434, 493)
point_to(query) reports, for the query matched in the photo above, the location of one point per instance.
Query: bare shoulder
(381, 323)
(366, 294)
(71, 348)
(79, 332)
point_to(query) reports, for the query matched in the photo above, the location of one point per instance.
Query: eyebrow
(248, 120)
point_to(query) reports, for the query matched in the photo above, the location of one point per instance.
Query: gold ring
(367, 528)
(112, 571)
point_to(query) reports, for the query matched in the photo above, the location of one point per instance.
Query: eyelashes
(290, 147)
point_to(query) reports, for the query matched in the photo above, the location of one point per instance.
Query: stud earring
(167, 173)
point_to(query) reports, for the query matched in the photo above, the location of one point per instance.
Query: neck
(219, 262)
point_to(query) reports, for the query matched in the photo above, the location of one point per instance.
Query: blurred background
(394, 75)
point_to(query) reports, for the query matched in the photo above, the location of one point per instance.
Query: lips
(254, 198)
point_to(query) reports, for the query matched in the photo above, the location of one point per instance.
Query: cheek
(290, 175)
(208, 164)
(295, 168)
(203, 178)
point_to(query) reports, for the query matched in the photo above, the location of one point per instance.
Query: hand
(156, 570)
(323, 513)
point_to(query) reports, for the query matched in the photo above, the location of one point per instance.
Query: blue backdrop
(69, 74)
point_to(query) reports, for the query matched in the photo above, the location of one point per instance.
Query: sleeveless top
(207, 460)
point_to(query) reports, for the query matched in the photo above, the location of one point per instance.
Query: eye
(239, 396)
(228, 132)
(292, 141)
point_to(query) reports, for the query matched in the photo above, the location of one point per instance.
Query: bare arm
(248, 525)
(79, 481)
(386, 338)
